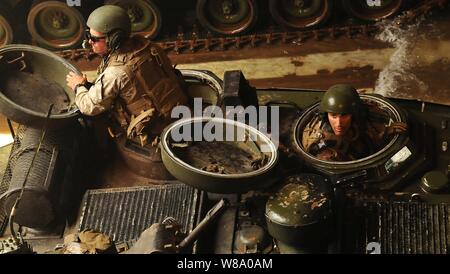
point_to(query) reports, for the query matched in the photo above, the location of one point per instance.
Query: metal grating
(7, 176)
(404, 227)
(22, 153)
(123, 213)
(414, 228)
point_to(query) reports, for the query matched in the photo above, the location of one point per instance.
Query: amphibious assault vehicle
(60, 24)
(271, 197)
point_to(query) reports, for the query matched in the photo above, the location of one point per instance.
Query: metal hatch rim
(269, 166)
(24, 47)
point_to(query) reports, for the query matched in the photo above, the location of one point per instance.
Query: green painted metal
(227, 16)
(372, 10)
(6, 31)
(227, 11)
(141, 16)
(434, 182)
(300, 14)
(2, 32)
(340, 99)
(109, 17)
(145, 15)
(301, 211)
(57, 23)
(303, 200)
(301, 8)
(47, 65)
(226, 179)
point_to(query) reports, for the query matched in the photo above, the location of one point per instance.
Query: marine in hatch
(136, 81)
(345, 129)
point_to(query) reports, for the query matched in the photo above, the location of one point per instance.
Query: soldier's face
(340, 123)
(98, 42)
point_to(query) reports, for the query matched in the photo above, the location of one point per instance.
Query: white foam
(398, 71)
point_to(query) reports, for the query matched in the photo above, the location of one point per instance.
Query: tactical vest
(155, 87)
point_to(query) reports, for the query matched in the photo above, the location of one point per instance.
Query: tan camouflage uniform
(139, 85)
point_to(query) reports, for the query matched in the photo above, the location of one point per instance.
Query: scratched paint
(279, 67)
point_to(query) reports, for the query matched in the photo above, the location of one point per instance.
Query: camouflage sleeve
(100, 97)
(311, 134)
(308, 139)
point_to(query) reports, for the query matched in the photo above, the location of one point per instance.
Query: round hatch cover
(234, 158)
(32, 79)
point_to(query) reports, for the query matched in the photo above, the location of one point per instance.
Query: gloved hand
(395, 128)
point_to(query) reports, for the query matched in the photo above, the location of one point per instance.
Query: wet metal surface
(34, 92)
(420, 64)
(362, 60)
(303, 200)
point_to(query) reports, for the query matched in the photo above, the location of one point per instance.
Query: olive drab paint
(257, 118)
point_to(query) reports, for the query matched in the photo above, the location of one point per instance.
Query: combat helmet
(108, 18)
(342, 99)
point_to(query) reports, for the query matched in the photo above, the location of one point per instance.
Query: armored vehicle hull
(395, 201)
(60, 24)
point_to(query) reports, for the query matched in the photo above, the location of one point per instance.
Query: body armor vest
(155, 87)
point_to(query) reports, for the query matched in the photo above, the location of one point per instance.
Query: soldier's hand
(74, 79)
(395, 128)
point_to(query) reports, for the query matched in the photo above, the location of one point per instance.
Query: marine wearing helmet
(342, 130)
(112, 22)
(136, 81)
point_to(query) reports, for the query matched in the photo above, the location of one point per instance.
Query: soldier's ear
(115, 39)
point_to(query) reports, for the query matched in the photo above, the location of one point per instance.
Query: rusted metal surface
(192, 43)
(359, 77)
(32, 81)
(55, 25)
(299, 214)
(18, 86)
(144, 161)
(227, 17)
(314, 59)
(123, 213)
(398, 227)
(219, 157)
(225, 229)
(47, 175)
